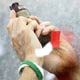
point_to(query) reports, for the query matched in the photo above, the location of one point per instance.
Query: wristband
(37, 69)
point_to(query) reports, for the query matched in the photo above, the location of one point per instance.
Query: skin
(20, 35)
(62, 62)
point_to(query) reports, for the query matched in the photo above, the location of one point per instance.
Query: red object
(55, 39)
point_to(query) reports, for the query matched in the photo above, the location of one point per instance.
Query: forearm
(24, 42)
(62, 58)
(28, 74)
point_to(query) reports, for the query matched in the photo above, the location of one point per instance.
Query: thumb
(12, 14)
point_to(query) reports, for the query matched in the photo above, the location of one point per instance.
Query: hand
(23, 38)
(46, 27)
(32, 24)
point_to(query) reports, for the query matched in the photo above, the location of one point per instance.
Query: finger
(12, 14)
(38, 31)
(48, 29)
(45, 31)
(29, 20)
(45, 24)
(33, 25)
(24, 20)
(35, 18)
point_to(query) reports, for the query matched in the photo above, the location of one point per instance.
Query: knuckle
(21, 17)
(35, 22)
(29, 20)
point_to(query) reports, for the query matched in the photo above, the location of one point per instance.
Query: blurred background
(65, 14)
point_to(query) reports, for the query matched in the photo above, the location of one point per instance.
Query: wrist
(35, 67)
(34, 58)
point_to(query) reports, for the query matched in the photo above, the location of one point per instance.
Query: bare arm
(25, 42)
(62, 59)
(29, 50)
(28, 74)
